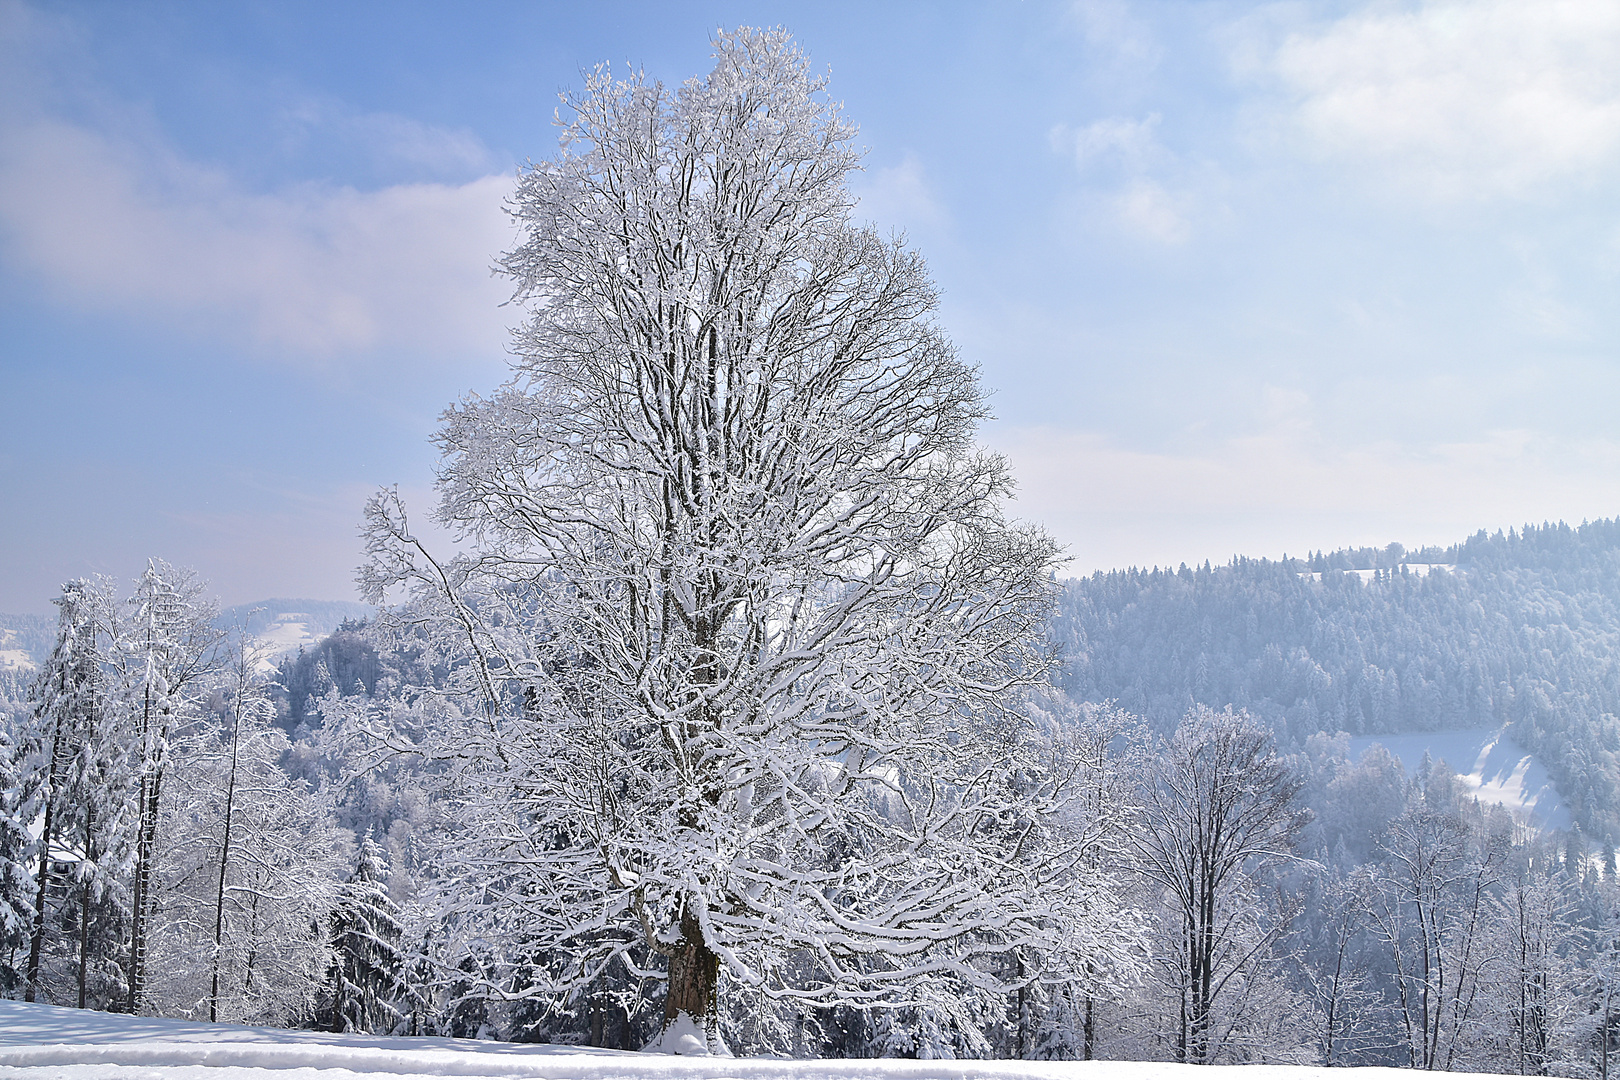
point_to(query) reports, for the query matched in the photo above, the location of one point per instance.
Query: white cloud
(900, 196)
(1112, 25)
(1120, 140)
(1125, 166)
(1462, 100)
(1150, 210)
(438, 152)
(1283, 487)
(104, 215)
(312, 271)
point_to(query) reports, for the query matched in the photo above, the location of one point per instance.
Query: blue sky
(1245, 278)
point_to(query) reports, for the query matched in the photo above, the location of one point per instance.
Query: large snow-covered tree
(741, 621)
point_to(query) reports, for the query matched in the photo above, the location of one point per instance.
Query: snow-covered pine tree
(742, 621)
(367, 967)
(16, 849)
(74, 786)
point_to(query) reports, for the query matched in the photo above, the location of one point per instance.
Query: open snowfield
(12, 655)
(290, 631)
(1491, 766)
(42, 1042)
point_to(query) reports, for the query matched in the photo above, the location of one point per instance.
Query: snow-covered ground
(41, 1042)
(290, 631)
(12, 655)
(1492, 766)
(1416, 569)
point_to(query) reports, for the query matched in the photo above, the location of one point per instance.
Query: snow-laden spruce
(739, 622)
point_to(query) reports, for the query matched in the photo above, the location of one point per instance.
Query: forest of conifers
(1520, 629)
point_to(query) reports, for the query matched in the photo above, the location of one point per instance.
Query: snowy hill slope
(12, 656)
(42, 1041)
(1518, 630)
(1492, 767)
(282, 626)
(25, 640)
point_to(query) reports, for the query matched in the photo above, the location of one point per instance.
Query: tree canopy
(740, 615)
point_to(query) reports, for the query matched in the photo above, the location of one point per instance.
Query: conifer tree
(16, 849)
(68, 756)
(367, 966)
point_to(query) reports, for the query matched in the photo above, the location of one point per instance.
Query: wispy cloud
(1113, 27)
(307, 273)
(900, 196)
(1120, 141)
(384, 139)
(1464, 101)
(1133, 182)
(102, 212)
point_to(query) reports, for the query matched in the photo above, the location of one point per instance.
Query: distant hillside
(284, 626)
(24, 640)
(1518, 630)
(320, 617)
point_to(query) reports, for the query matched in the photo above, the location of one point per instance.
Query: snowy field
(12, 655)
(1414, 569)
(41, 1042)
(290, 631)
(1491, 766)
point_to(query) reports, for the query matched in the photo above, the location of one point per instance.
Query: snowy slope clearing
(12, 655)
(289, 632)
(42, 1041)
(1491, 766)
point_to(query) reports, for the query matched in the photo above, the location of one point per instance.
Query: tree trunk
(84, 909)
(694, 980)
(1090, 1029)
(145, 851)
(58, 769)
(224, 860)
(593, 1014)
(38, 937)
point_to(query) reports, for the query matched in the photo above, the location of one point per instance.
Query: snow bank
(42, 1042)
